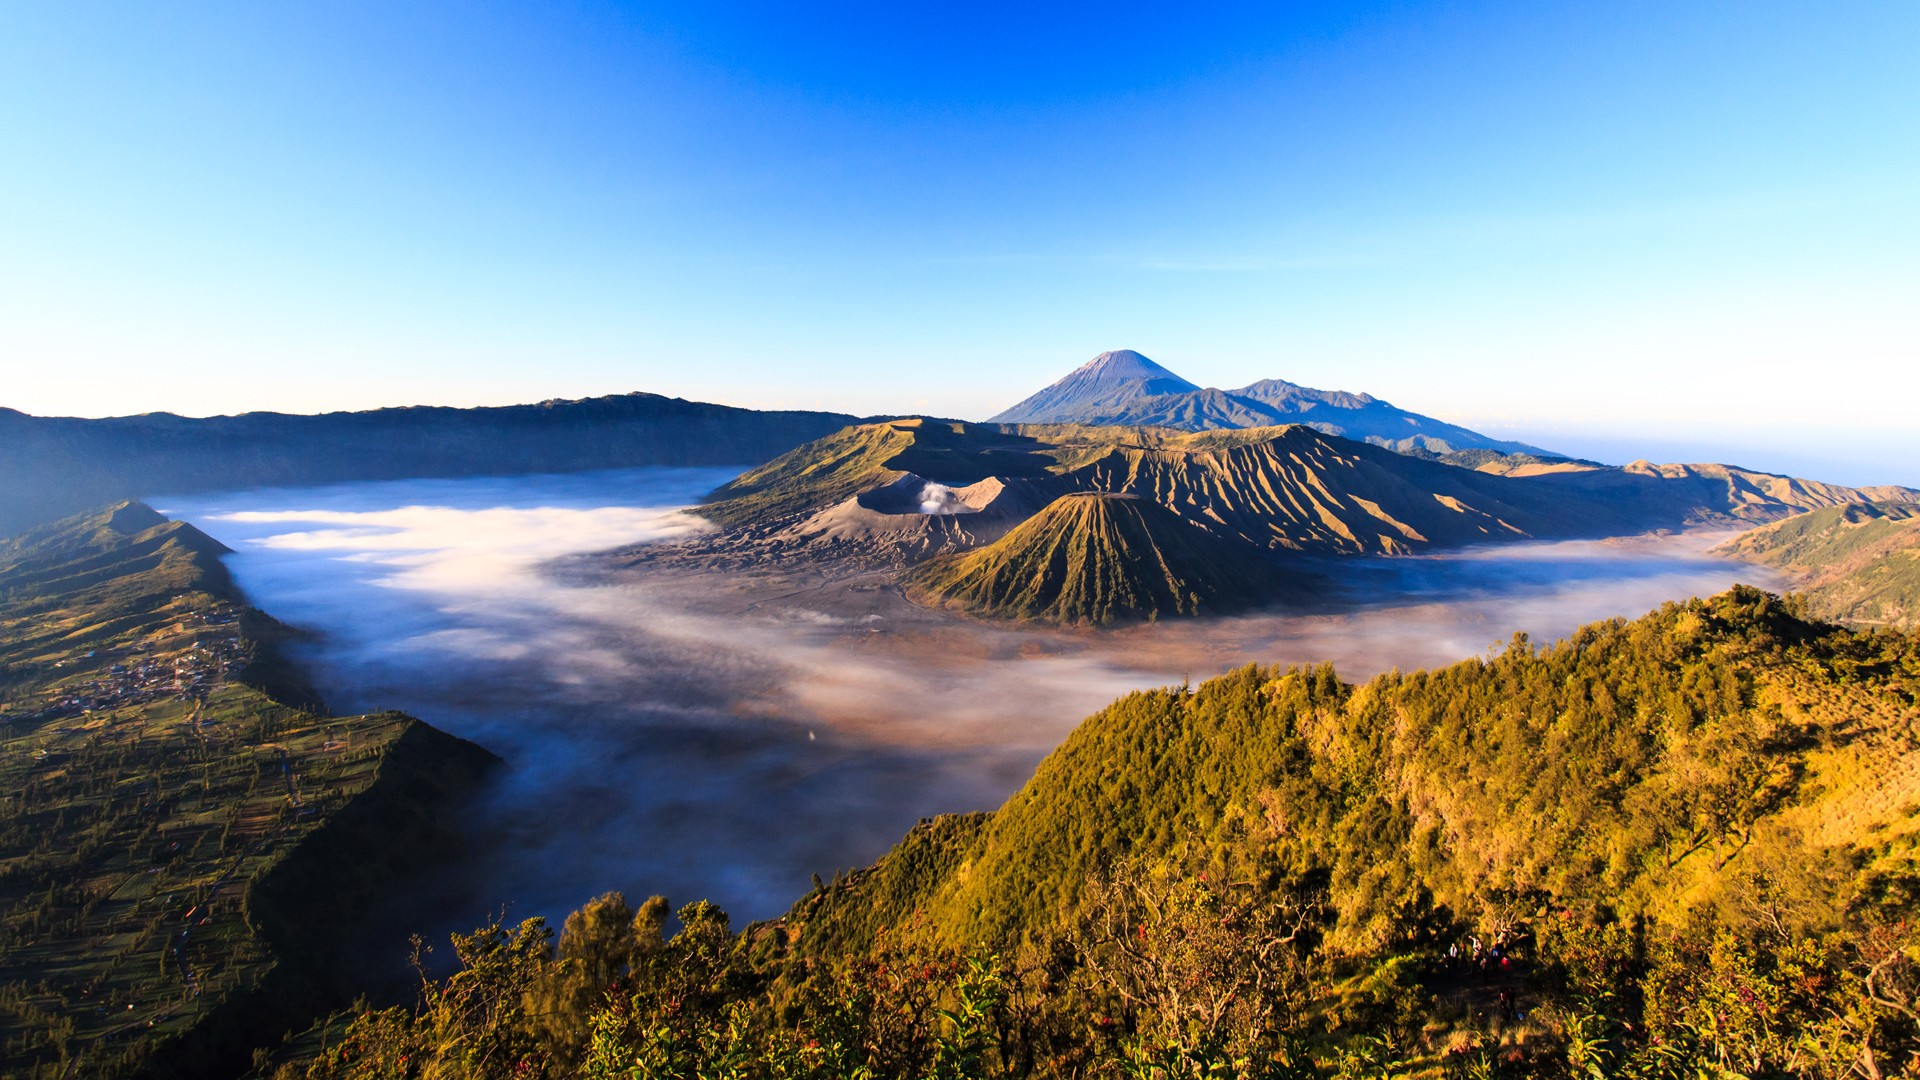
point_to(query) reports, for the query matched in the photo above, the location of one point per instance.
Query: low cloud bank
(657, 746)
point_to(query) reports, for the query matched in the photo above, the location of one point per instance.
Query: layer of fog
(662, 737)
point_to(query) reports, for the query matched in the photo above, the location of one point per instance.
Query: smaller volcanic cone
(1100, 558)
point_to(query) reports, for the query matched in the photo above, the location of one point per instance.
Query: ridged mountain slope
(1665, 496)
(120, 568)
(1289, 487)
(1860, 562)
(1099, 558)
(1298, 489)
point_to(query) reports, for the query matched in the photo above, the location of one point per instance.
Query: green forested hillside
(164, 821)
(1861, 563)
(1647, 766)
(1682, 846)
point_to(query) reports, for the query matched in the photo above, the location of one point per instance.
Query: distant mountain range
(999, 509)
(1125, 388)
(51, 467)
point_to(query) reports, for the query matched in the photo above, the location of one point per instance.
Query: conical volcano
(1100, 558)
(1107, 383)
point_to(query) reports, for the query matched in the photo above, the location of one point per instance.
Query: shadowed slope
(52, 466)
(1099, 558)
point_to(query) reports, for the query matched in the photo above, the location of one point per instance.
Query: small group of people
(1489, 960)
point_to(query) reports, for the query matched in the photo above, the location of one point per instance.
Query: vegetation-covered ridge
(1682, 846)
(51, 467)
(164, 818)
(1859, 564)
(1100, 558)
(1644, 765)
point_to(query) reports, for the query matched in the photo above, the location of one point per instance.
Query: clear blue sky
(1688, 226)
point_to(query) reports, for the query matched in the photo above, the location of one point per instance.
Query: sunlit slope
(865, 457)
(1861, 562)
(1289, 488)
(1298, 489)
(1654, 765)
(1708, 493)
(86, 580)
(180, 851)
(1099, 558)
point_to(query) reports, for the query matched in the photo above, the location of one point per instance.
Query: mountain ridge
(1433, 767)
(1291, 487)
(1105, 392)
(1859, 563)
(52, 467)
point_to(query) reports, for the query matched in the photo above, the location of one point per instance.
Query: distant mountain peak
(1125, 389)
(1124, 364)
(1110, 380)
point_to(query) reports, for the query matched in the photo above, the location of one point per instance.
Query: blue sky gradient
(1598, 227)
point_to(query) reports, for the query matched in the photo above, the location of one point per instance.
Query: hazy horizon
(1874, 459)
(1650, 222)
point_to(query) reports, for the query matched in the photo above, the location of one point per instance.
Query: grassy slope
(151, 793)
(1092, 558)
(1653, 765)
(1862, 562)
